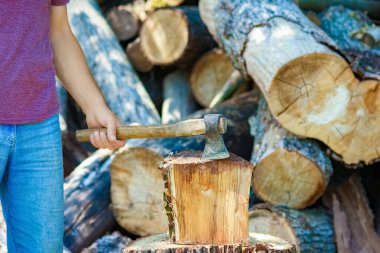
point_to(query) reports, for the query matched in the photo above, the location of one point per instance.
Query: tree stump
(257, 243)
(207, 201)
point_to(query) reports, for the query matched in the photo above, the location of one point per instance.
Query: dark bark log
(370, 6)
(113, 243)
(300, 72)
(353, 219)
(258, 243)
(136, 167)
(207, 202)
(311, 230)
(175, 36)
(178, 100)
(371, 182)
(123, 91)
(87, 213)
(348, 28)
(289, 171)
(123, 22)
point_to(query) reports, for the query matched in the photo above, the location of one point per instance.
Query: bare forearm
(73, 71)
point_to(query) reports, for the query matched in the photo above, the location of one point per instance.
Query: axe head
(215, 149)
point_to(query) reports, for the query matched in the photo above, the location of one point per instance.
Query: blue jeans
(31, 185)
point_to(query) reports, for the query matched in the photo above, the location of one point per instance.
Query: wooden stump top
(258, 243)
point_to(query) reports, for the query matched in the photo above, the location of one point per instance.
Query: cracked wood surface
(289, 171)
(310, 89)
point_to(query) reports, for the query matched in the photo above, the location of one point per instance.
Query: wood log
(174, 36)
(178, 99)
(349, 29)
(112, 243)
(123, 22)
(137, 185)
(87, 213)
(220, 189)
(310, 89)
(73, 152)
(370, 6)
(137, 58)
(310, 230)
(289, 171)
(258, 243)
(371, 181)
(156, 4)
(123, 91)
(353, 219)
(209, 74)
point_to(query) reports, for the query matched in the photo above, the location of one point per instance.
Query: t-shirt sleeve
(59, 2)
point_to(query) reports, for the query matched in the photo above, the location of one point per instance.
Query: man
(35, 44)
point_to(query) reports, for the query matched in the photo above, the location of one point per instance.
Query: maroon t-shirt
(27, 83)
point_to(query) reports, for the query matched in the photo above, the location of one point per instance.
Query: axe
(212, 126)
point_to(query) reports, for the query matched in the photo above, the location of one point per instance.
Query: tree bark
(123, 22)
(289, 171)
(209, 74)
(258, 243)
(113, 243)
(372, 7)
(123, 91)
(207, 201)
(174, 36)
(136, 167)
(137, 58)
(310, 230)
(310, 89)
(87, 213)
(178, 99)
(353, 219)
(350, 29)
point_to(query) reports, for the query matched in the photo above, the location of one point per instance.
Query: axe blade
(215, 149)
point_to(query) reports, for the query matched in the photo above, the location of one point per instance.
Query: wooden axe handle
(191, 127)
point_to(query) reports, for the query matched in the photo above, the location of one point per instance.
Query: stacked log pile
(302, 101)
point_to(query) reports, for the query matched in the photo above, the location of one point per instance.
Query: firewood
(310, 89)
(370, 6)
(178, 99)
(177, 36)
(123, 22)
(137, 184)
(155, 4)
(353, 32)
(123, 91)
(311, 230)
(112, 243)
(353, 219)
(262, 243)
(371, 182)
(86, 191)
(209, 75)
(207, 201)
(137, 58)
(289, 171)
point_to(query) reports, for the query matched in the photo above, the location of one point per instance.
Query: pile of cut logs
(300, 90)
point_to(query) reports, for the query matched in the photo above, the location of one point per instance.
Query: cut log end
(123, 22)
(287, 178)
(344, 120)
(209, 75)
(220, 189)
(258, 243)
(164, 36)
(136, 205)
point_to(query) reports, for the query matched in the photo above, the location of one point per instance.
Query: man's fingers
(92, 140)
(111, 130)
(96, 139)
(105, 143)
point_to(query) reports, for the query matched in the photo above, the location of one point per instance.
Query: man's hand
(101, 116)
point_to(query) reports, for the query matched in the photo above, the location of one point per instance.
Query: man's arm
(73, 71)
